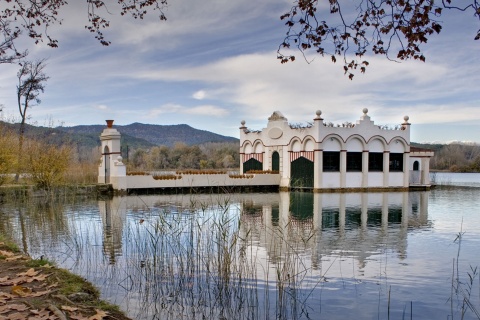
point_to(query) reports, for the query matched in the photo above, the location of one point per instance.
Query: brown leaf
(67, 308)
(18, 316)
(99, 316)
(39, 293)
(14, 258)
(21, 291)
(77, 317)
(29, 273)
(6, 253)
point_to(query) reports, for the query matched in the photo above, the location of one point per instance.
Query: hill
(83, 140)
(166, 135)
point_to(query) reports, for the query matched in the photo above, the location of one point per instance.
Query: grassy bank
(37, 289)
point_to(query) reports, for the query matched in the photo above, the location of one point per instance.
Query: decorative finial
(318, 113)
(243, 123)
(365, 111)
(406, 118)
(109, 123)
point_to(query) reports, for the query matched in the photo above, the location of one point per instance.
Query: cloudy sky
(213, 64)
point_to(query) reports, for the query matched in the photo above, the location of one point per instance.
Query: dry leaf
(74, 317)
(21, 291)
(14, 258)
(18, 316)
(99, 316)
(41, 277)
(3, 279)
(39, 293)
(29, 273)
(67, 308)
(6, 253)
(12, 307)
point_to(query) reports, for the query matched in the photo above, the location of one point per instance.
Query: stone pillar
(386, 168)
(343, 168)
(425, 166)
(318, 169)
(406, 169)
(365, 169)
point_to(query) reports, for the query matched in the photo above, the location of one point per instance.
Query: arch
(106, 163)
(247, 147)
(416, 165)
(252, 164)
(258, 147)
(355, 143)
(276, 161)
(332, 143)
(309, 145)
(398, 145)
(295, 145)
(377, 144)
(301, 173)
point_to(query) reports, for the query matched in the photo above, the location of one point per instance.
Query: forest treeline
(455, 157)
(211, 155)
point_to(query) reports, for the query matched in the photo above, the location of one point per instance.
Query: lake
(268, 256)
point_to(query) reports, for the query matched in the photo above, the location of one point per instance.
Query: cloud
(199, 95)
(101, 107)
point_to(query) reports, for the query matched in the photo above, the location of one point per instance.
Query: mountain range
(135, 135)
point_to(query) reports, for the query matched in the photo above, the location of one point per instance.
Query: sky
(214, 63)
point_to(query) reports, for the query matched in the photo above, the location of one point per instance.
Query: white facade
(326, 157)
(111, 169)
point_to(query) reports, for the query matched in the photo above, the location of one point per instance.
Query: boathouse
(325, 157)
(320, 156)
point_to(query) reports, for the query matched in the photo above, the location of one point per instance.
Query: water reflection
(289, 244)
(247, 256)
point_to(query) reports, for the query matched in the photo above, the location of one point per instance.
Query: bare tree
(31, 82)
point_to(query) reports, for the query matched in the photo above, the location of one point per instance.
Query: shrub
(46, 164)
(8, 154)
(166, 177)
(263, 171)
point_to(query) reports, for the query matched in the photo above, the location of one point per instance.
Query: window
(416, 165)
(331, 161)
(396, 162)
(354, 161)
(375, 161)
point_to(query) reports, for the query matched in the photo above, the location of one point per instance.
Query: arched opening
(106, 162)
(252, 164)
(301, 173)
(416, 166)
(275, 161)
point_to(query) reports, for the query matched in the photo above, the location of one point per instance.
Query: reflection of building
(113, 218)
(351, 224)
(321, 156)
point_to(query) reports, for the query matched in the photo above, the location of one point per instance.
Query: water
(267, 256)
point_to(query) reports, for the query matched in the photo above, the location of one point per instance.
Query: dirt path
(35, 290)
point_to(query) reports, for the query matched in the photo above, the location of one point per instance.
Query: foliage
(36, 17)
(456, 157)
(262, 171)
(208, 156)
(241, 176)
(394, 28)
(167, 177)
(8, 155)
(47, 164)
